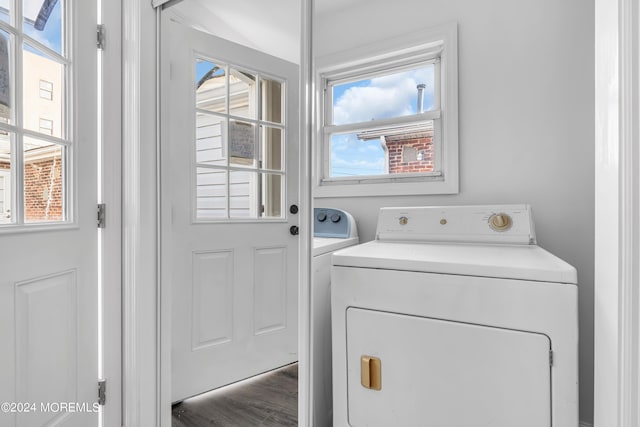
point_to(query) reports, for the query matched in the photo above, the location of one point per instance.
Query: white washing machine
(454, 317)
(333, 229)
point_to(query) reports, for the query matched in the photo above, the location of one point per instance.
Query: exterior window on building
(46, 90)
(391, 118)
(46, 126)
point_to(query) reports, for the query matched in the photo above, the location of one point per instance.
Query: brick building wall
(43, 197)
(410, 153)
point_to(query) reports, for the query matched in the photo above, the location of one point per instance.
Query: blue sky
(51, 36)
(202, 67)
(393, 95)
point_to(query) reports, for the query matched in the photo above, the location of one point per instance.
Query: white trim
(617, 276)
(307, 113)
(140, 323)
(402, 50)
(112, 233)
(629, 297)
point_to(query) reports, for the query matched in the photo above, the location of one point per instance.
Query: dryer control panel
(509, 224)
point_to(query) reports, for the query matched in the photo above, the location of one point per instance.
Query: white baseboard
(585, 424)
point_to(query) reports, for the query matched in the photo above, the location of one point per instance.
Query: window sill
(362, 188)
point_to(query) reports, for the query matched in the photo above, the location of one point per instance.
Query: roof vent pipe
(421, 88)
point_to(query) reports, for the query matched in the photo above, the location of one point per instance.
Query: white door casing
(234, 282)
(49, 276)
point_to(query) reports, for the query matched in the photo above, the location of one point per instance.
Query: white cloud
(393, 95)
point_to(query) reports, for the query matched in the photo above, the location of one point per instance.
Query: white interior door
(48, 233)
(229, 176)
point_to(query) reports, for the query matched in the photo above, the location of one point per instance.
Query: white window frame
(18, 131)
(258, 170)
(438, 45)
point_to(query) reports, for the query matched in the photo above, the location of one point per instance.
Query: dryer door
(446, 374)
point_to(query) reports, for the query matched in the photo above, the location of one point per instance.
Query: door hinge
(550, 357)
(102, 215)
(101, 37)
(102, 392)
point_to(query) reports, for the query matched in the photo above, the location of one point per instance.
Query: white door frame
(111, 239)
(141, 383)
(146, 326)
(617, 208)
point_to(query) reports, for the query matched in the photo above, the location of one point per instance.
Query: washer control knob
(322, 217)
(500, 222)
(336, 218)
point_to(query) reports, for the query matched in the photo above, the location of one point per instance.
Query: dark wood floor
(270, 401)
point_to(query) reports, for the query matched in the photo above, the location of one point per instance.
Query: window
(389, 119)
(240, 143)
(46, 90)
(34, 151)
(46, 126)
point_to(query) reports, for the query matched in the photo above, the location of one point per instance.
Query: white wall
(526, 73)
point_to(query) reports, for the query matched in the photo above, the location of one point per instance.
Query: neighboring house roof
(399, 132)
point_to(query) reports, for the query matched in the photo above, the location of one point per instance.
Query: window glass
(242, 144)
(239, 143)
(271, 154)
(211, 86)
(43, 22)
(242, 93)
(6, 78)
(211, 193)
(5, 10)
(271, 195)
(210, 140)
(40, 74)
(44, 176)
(378, 123)
(352, 156)
(6, 172)
(387, 150)
(271, 100)
(36, 191)
(387, 95)
(243, 200)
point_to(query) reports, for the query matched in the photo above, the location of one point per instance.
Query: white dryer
(333, 229)
(454, 317)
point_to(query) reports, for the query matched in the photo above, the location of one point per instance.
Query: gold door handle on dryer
(371, 372)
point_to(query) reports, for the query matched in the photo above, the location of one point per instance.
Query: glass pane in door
(271, 91)
(44, 181)
(6, 172)
(42, 93)
(211, 86)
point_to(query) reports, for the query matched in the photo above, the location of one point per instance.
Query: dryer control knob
(336, 218)
(500, 222)
(322, 217)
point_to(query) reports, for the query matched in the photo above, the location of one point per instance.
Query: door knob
(293, 209)
(294, 230)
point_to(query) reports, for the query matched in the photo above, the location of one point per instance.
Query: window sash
(374, 69)
(326, 177)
